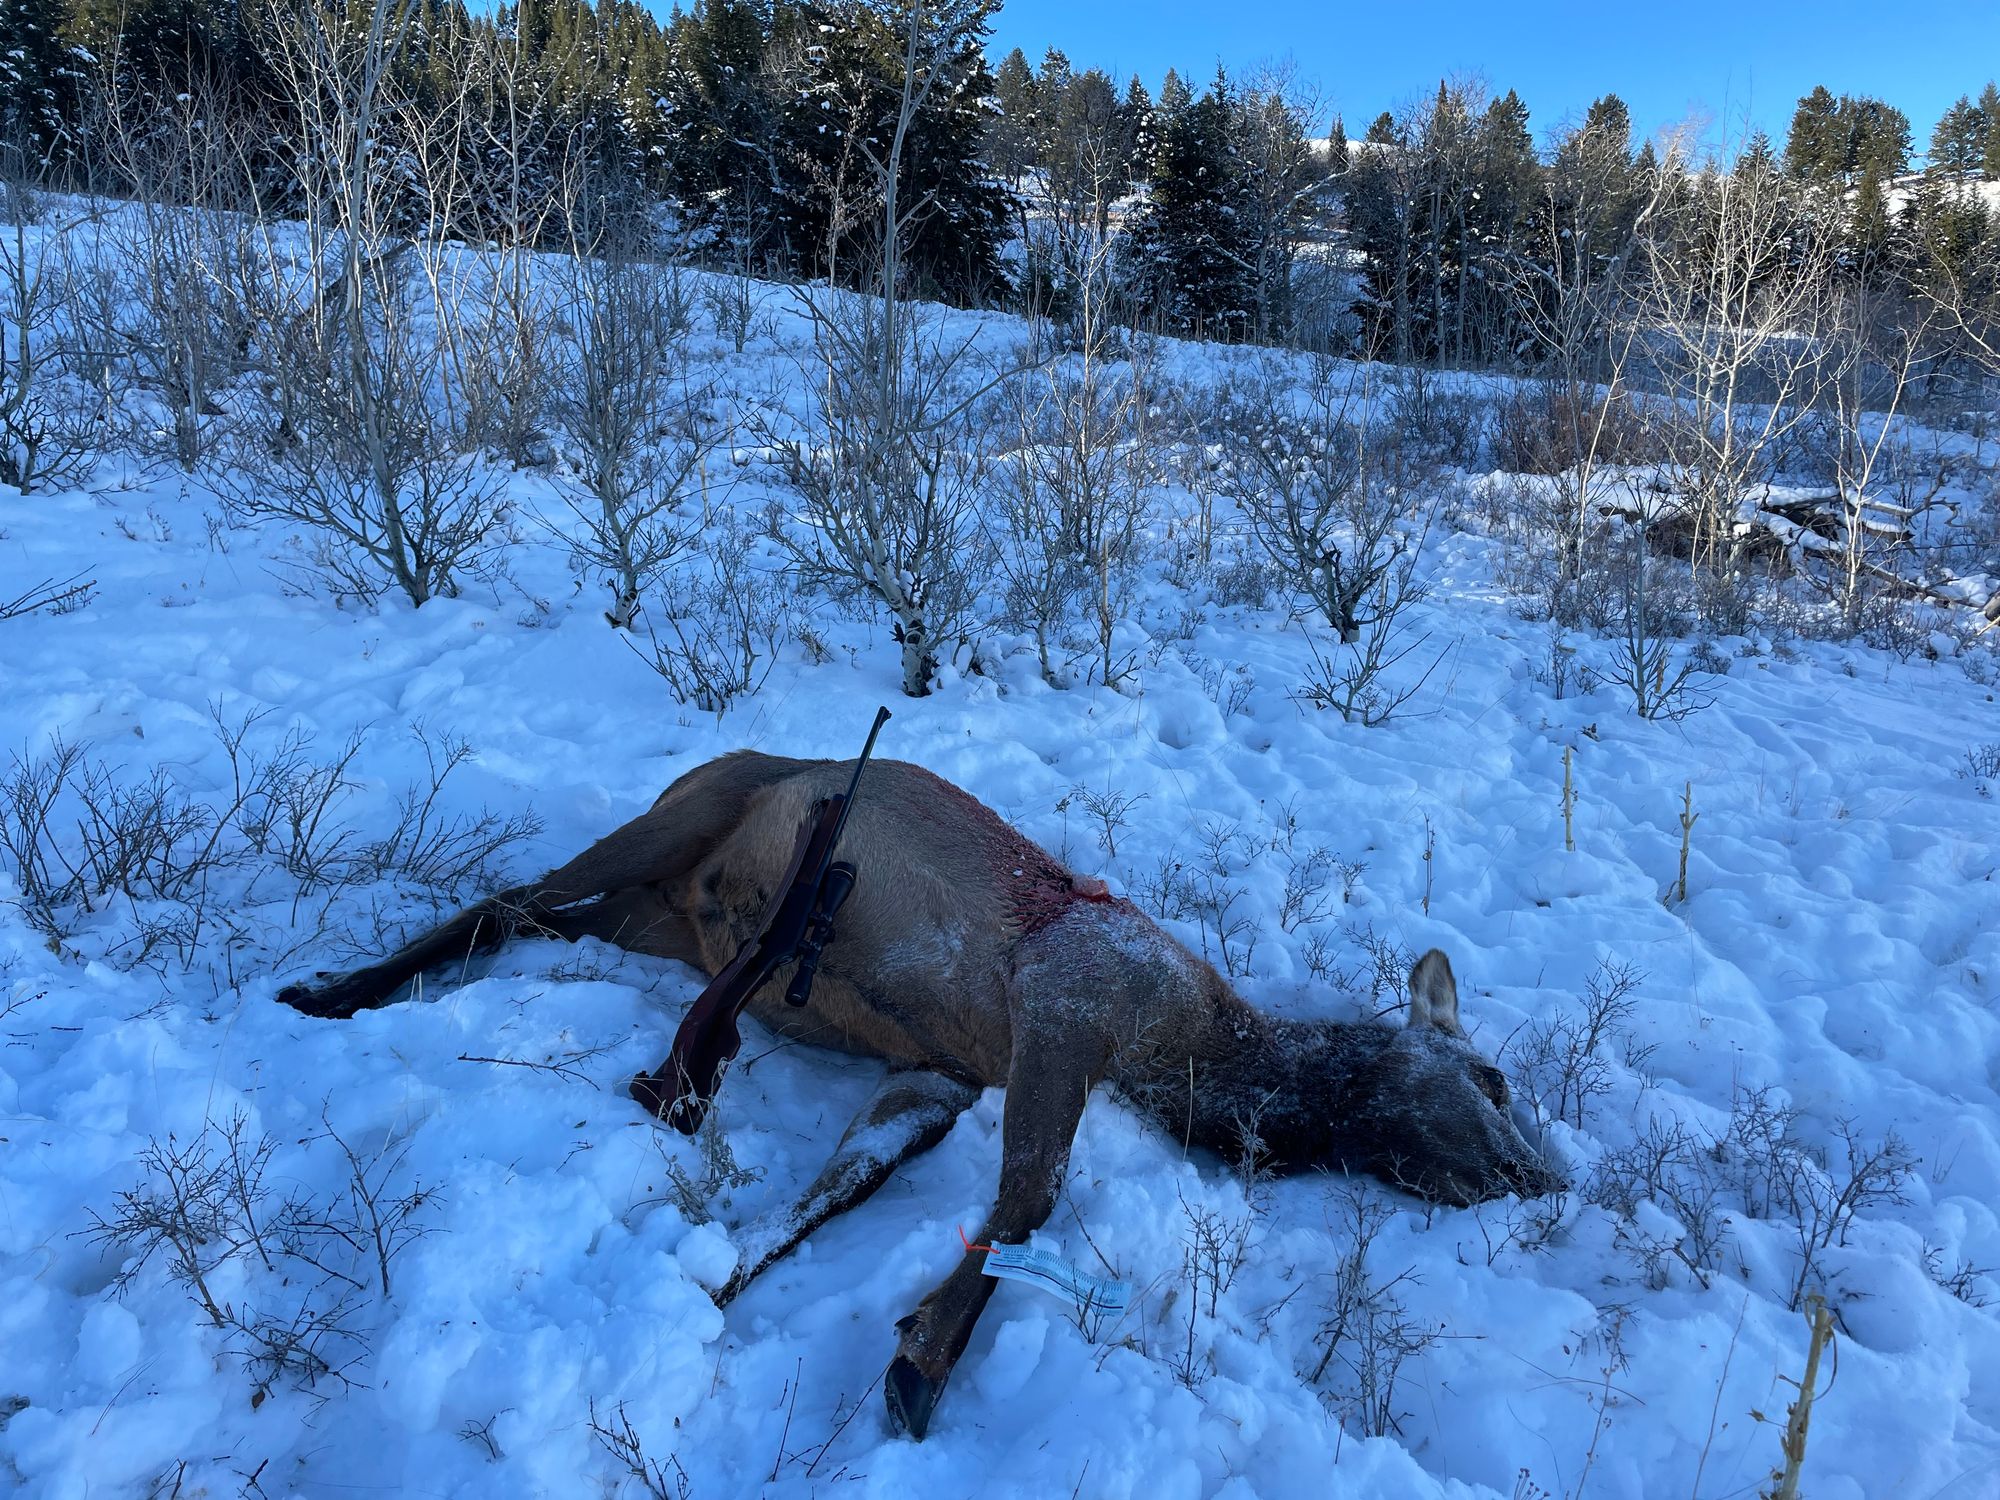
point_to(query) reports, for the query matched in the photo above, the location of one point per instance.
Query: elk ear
(1434, 994)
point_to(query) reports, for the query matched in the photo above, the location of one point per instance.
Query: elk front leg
(1048, 1080)
(910, 1113)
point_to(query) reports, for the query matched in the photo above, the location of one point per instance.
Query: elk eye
(1493, 1084)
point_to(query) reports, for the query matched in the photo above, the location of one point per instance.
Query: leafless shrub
(1448, 426)
(1308, 874)
(1548, 427)
(887, 470)
(1331, 499)
(1562, 669)
(1215, 1245)
(1530, 1224)
(204, 1203)
(47, 433)
(1564, 1061)
(1340, 508)
(442, 855)
(1643, 661)
(717, 1171)
(358, 441)
(720, 628)
(1982, 766)
(1229, 688)
(1673, 1168)
(1781, 1177)
(1323, 956)
(1961, 1278)
(660, 1479)
(1209, 896)
(1368, 1333)
(636, 418)
(359, 455)
(379, 1215)
(80, 836)
(1111, 810)
(173, 274)
(1248, 581)
(195, 1207)
(64, 597)
(1388, 964)
(1074, 494)
(735, 303)
(1761, 1162)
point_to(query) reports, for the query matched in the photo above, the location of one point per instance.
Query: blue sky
(1749, 58)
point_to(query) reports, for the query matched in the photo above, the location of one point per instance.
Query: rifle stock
(795, 926)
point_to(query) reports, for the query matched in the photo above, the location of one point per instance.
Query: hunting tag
(1101, 1302)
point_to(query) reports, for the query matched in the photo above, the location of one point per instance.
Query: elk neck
(1245, 1073)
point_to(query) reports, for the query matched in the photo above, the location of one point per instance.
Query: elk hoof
(325, 1001)
(911, 1396)
(337, 1001)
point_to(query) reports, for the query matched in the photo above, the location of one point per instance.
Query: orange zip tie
(969, 1246)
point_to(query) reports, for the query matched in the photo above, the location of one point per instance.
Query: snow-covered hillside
(1793, 1085)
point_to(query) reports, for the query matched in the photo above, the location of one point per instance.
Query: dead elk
(968, 958)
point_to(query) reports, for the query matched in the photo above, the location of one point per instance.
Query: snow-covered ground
(1839, 946)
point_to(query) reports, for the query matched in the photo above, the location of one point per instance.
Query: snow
(1838, 945)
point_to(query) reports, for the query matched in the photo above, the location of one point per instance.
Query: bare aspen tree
(1287, 178)
(1880, 493)
(1342, 513)
(1065, 210)
(1320, 488)
(634, 416)
(885, 469)
(175, 277)
(47, 431)
(1074, 492)
(1734, 297)
(361, 451)
(1576, 303)
(496, 173)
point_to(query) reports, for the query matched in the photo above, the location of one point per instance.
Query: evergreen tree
(1816, 148)
(1507, 197)
(1878, 138)
(1010, 142)
(838, 118)
(718, 162)
(1989, 108)
(1135, 130)
(1958, 144)
(1756, 155)
(1607, 125)
(1194, 265)
(40, 80)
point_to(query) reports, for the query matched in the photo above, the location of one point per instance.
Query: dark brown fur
(968, 957)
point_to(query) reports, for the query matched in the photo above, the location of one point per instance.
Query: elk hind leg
(907, 1115)
(657, 847)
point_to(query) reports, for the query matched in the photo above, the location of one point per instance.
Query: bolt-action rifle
(797, 925)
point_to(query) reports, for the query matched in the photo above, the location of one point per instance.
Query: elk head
(1425, 1109)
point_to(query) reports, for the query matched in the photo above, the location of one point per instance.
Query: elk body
(968, 958)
